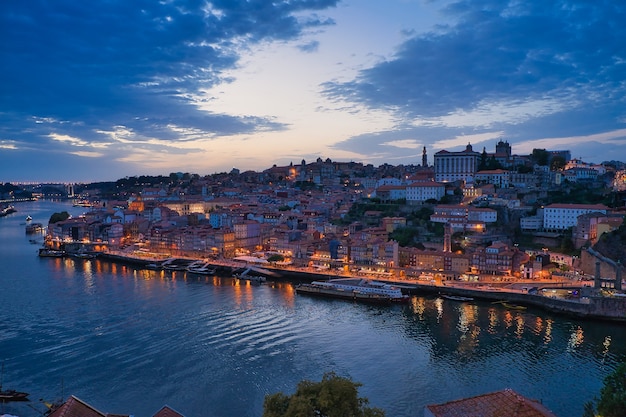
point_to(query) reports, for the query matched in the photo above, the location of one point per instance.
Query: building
(74, 407)
(464, 217)
(456, 166)
(497, 177)
(496, 404)
(589, 227)
(391, 192)
(557, 217)
(420, 191)
(498, 259)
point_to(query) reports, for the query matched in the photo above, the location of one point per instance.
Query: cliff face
(613, 245)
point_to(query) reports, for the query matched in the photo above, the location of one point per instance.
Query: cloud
(528, 72)
(501, 52)
(139, 64)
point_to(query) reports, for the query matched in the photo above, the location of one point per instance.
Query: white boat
(358, 289)
(247, 275)
(201, 268)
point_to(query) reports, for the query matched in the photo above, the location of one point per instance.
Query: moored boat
(513, 306)
(12, 395)
(51, 253)
(33, 228)
(5, 211)
(456, 297)
(201, 268)
(246, 275)
(176, 264)
(355, 289)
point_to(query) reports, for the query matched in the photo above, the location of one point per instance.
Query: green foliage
(540, 157)
(422, 215)
(405, 236)
(589, 409)
(613, 244)
(558, 163)
(579, 193)
(305, 185)
(612, 402)
(334, 396)
(276, 258)
(59, 217)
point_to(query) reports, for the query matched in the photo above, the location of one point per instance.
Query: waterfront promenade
(553, 295)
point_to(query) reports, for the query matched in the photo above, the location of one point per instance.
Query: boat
(33, 228)
(28, 218)
(356, 289)
(176, 264)
(201, 268)
(10, 394)
(247, 275)
(7, 210)
(456, 297)
(51, 253)
(83, 255)
(513, 306)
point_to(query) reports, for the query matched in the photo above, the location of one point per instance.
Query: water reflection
(481, 329)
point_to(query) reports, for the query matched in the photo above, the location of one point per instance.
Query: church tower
(424, 159)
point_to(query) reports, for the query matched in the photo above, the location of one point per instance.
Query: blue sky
(100, 90)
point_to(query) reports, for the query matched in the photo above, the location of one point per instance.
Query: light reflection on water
(129, 341)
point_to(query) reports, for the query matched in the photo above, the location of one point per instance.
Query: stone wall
(588, 259)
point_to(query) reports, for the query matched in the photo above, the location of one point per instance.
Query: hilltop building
(456, 166)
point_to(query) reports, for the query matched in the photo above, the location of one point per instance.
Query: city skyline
(104, 90)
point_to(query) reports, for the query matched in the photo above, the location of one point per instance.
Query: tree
(405, 236)
(276, 258)
(540, 157)
(558, 163)
(334, 396)
(589, 409)
(612, 402)
(58, 217)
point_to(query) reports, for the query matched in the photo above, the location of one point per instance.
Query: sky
(105, 89)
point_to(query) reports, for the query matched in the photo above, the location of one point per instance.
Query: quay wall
(602, 308)
(588, 259)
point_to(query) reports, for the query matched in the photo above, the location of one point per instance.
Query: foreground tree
(334, 396)
(612, 402)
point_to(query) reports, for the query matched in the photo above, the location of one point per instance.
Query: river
(127, 340)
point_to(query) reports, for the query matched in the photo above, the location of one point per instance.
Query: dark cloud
(114, 63)
(309, 47)
(501, 51)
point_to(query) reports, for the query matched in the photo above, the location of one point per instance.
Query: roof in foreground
(496, 404)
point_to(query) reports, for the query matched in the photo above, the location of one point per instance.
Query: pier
(587, 307)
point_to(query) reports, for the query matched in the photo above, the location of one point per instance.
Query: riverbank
(591, 307)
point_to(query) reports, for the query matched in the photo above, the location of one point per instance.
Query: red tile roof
(505, 403)
(74, 407)
(167, 412)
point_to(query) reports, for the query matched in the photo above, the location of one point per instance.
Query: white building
(455, 166)
(532, 223)
(421, 191)
(497, 177)
(563, 216)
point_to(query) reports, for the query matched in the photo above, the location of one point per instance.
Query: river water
(127, 340)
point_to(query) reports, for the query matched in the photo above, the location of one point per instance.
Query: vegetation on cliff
(613, 245)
